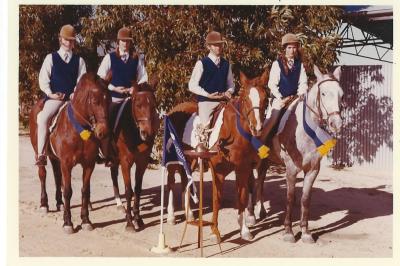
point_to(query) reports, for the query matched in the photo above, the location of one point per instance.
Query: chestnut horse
(66, 148)
(233, 149)
(134, 137)
(298, 151)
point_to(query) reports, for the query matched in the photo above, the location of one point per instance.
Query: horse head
(253, 98)
(91, 102)
(328, 98)
(144, 108)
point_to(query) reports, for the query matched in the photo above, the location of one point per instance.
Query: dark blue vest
(213, 78)
(122, 73)
(288, 84)
(63, 76)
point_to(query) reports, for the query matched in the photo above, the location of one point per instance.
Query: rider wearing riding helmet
(287, 79)
(211, 81)
(60, 72)
(126, 66)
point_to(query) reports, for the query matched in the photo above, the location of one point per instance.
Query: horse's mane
(186, 107)
(87, 82)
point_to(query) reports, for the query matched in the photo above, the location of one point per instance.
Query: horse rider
(211, 81)
(125, 65)
(60, 72)
(287, 79)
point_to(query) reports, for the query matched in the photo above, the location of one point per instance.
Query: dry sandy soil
(351, 216)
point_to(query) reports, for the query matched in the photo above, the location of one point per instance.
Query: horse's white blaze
(255, 101)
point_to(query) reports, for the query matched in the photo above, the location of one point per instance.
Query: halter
(319, 114)
(140, 119)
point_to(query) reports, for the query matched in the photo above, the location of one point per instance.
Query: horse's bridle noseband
(319, 102)
(91, 122)
(137, 120)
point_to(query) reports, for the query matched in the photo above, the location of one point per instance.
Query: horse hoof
(247, 236)
(44, 209)
(60, 207)
(250, 220)
(289, 238)
(263, 214)
(121, 208)
(87, 227)
(171, 221)
(215, 239)
(140, 223)
(68, 229)
(190, 217)
(130, 228)
(307, 238)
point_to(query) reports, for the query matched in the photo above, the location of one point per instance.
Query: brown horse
(233, 149)
(134, 137)
(66, 148)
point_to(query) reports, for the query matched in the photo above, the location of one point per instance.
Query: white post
(161, 248)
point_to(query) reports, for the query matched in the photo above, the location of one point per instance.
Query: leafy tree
(172, 37)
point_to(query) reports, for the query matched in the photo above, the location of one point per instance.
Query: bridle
(319, 103)
(91, 122)
(137, 120)
(246, 112)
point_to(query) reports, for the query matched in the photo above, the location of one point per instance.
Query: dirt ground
(351, 216)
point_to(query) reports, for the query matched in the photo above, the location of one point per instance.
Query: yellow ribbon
(85, 134)
(263, 152)
(326, 147)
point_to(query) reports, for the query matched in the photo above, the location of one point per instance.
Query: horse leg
(242, 176)
(140, 169)
(170, 192)
(261, 174)
(87, 173)
(185, 195)
(250, 217)
(44, 203)
(309, 179)
(218, 180)
(66, 174)
(114, 178)
(290, 200)
(58, 179)
(126, 173)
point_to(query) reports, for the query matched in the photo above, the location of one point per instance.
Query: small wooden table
(202, 157)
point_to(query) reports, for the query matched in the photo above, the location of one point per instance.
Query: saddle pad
(55, 118)
(189, 134)
(285, 116)
(119, 113)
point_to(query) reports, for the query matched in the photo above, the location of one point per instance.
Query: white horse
(298, 151)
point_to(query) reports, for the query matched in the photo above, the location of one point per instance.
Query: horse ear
(337, 73)
(108, 77)
(317, 72)
(154, 81)
(135, 87)
(264, 77)
(243, 78)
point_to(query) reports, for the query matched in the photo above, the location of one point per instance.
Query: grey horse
(298, 151)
